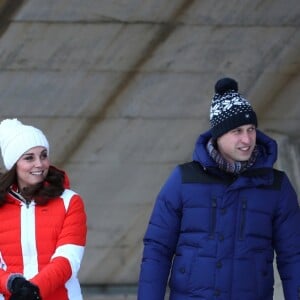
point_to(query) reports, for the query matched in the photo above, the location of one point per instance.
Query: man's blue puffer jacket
(213, 235)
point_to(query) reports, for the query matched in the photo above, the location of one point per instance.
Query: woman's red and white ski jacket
(44, 243)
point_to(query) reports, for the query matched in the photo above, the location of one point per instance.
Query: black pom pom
(225, 85)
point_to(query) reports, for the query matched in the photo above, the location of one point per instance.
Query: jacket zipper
(243, 219)
(213, 217)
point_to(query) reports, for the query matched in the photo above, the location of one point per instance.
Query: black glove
(23, 289)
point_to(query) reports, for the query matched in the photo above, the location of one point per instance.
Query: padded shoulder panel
(193, 172)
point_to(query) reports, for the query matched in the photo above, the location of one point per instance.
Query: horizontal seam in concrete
(159, 23)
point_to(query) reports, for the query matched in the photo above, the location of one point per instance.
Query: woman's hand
(23, 289)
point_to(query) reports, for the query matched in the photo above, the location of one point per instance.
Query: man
(218, 219)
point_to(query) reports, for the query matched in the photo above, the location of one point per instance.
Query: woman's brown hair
(51, 187)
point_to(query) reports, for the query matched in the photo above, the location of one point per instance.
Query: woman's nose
(38, 162)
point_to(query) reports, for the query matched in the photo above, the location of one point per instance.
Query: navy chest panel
(210, 202)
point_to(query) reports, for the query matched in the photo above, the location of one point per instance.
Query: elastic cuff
(11, 279)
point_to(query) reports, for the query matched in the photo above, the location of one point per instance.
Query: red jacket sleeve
(3, 281)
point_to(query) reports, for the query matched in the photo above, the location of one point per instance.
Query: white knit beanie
(16, 138)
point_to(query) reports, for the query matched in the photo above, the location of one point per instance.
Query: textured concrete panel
(156, 141)
(100, 11)
(244, 13)
(52, 95)
(71, 47)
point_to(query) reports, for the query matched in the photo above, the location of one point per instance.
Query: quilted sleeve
(160, 240)
(66, 260)
(287, 240)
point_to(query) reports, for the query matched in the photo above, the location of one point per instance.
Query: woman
(43, 222)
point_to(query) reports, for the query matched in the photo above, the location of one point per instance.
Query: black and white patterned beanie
(229, 109)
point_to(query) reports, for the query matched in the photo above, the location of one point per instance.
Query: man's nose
(246, 138)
